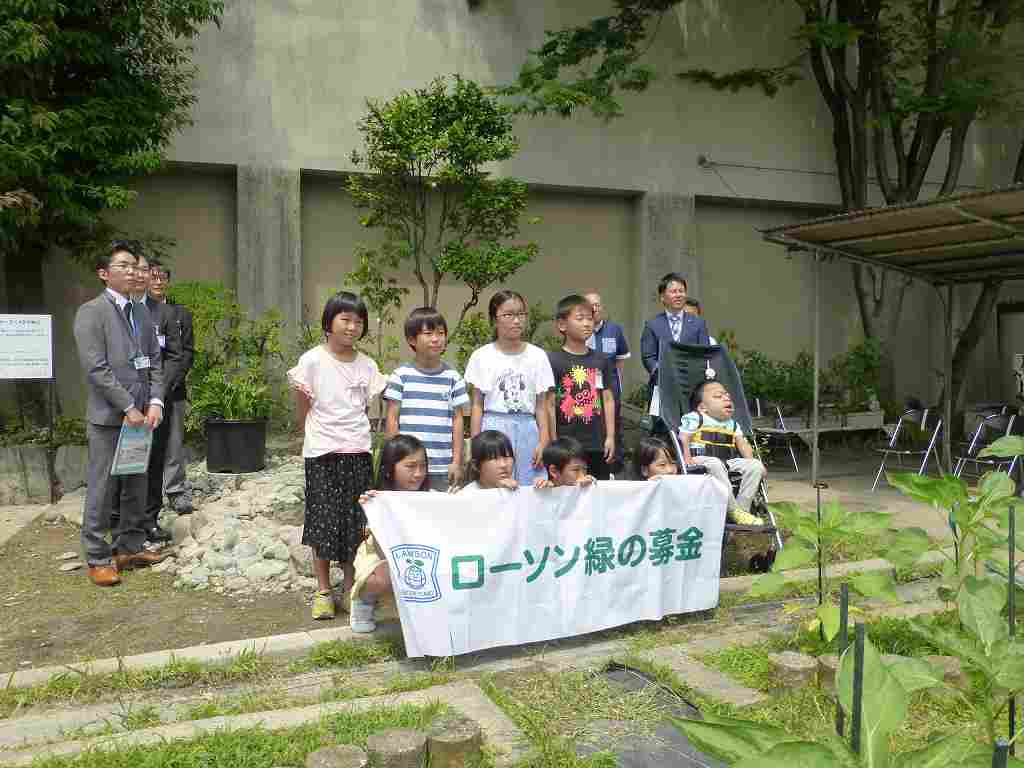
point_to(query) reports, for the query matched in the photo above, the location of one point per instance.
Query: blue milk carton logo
(416, 567)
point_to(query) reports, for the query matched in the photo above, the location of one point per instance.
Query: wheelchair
(681, 367)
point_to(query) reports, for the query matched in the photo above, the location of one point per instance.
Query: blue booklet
(133, 448)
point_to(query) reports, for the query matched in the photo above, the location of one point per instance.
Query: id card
(141, 363)
(161, 340)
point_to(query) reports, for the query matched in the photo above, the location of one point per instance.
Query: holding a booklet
(120, 355)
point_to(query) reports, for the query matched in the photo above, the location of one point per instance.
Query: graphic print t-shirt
(579, 380)
(510, 383)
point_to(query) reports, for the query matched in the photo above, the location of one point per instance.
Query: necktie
(676, 324)
(129, 318)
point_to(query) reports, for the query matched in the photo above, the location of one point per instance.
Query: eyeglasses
(159, 277)
(508, 317)
(125, 267)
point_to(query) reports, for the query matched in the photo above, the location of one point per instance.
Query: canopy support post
(947, 415)
(817, 365)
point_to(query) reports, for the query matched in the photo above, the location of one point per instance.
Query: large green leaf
(767, 584)
(1008, 661)
(914, 674)
(793, 754)
(832, 514)
(878, 584)
(866, 522)
(793, 556)
(1004, 448)
(946, 752)
(941, 492)
(787, 514)
(828, 613)
(731, 739)
(980, 604)
(951, 641)
(884, 703)
(906, 546)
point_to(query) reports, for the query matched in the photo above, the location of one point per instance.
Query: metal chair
(928, 422)
(780, 432)
(989, 429)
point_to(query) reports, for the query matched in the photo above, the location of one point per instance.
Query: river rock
(197, 521)
(215, 561)
(181, 530)
(302, 560)
(265, 569)
(342, 756)
(246, 549)
(793, 670)
(397, 748)
(277, 551)
(72, 566)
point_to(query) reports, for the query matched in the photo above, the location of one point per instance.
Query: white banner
(26, 346)
(482, 569)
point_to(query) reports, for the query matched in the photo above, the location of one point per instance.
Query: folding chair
(681, 367)
(780, 433)
(929, 424)
(989, 429)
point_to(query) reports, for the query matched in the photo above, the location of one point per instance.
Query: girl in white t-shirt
(333, 385)
(510, 380)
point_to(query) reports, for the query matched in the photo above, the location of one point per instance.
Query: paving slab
(702, 679)
(500, 732)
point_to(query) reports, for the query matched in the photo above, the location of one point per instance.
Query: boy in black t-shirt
(582, 405)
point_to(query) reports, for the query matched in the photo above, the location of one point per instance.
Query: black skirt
(335, 523)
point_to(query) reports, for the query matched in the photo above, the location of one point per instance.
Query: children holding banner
(566, 464)
(333, 384)
(654, 460)
(492, 463)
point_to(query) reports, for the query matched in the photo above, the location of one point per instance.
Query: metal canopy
(956, 240)
(947, 241)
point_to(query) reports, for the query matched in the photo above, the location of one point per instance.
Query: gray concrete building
(253, 191)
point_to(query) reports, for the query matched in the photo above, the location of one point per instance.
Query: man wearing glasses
(167, 469)
(118, 349)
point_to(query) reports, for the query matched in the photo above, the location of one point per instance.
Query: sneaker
(323, 605)
(361, 617)
(745, 518)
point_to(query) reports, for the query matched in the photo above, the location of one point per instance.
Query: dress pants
(102, 495)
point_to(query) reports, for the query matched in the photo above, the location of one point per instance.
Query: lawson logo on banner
(487, 568)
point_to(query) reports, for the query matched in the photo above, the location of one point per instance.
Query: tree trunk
(972, 335)
(23, 283)
(1018, 173)
(880, 296)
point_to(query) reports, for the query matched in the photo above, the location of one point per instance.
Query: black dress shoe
(158, 535)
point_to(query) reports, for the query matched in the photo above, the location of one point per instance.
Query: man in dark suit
(168, 476)
(674, 324)
(118, 350)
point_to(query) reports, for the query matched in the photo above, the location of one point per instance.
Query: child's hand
(609, 449)
(542, 482)
(509, 484)
(585, 481)
(537, 461)
(365, 498)
(454, 474)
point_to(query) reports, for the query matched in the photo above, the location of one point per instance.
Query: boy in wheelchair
(711, 438)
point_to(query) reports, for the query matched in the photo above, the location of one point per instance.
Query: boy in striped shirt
(427, 398)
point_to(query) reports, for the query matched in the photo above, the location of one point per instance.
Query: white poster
(26, 346)
(482, 569)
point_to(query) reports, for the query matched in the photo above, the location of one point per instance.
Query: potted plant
(229, 384)
(856, 375)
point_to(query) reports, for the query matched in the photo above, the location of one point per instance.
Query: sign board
(26, 346)
(482, 569)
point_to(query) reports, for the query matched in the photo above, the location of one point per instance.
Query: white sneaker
(360, 617)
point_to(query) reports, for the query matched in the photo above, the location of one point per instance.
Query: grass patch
(78, 688)
(347, 654)
(888, 634)
(255, 746)
(747, 664)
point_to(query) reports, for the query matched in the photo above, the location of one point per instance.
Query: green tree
(91, 93)
(898, 76)
(425, 186)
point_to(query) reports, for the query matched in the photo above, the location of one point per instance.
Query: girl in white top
(492, 463)
(333, 385)
(510, 380)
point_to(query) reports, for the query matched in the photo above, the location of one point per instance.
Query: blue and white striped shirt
(427, 405)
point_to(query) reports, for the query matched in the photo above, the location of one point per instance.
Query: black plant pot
(236, 445)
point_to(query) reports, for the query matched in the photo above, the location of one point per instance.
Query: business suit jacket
(174, 324)
(107, 349)
(657, 330)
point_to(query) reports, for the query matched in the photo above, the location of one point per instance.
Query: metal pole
(1000, 756)
(858, 688)
(947, 417)
(817, 363)
(1012, 611)
(51, 450)
(821, 573)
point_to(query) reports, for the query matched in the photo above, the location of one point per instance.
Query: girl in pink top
(333, 385)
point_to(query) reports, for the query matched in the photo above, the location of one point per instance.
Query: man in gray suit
(118, 349)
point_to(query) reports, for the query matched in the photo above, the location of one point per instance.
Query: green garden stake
(821, 570)
(1012, 611)
(844, 642)
(1001, 754)
(858, 688)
